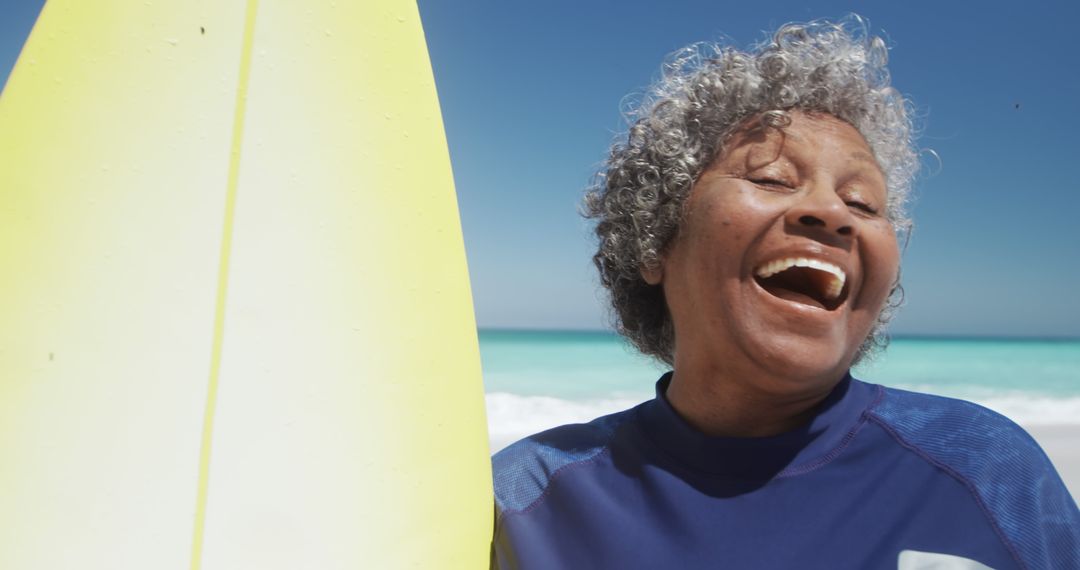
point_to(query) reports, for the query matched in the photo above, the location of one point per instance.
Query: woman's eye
(771, 182)
(863, 206)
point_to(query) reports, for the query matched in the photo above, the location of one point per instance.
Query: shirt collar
(803, 449)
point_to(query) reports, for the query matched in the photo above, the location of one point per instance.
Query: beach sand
(1062, 444)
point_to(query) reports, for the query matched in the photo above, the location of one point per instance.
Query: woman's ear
(653, 275)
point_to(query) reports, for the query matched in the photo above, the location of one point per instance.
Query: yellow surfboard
(235, 322)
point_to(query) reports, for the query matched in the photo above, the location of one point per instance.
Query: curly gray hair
(705, 92)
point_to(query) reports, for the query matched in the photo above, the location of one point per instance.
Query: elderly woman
(748, 231)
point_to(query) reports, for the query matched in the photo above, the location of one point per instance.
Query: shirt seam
(963, 480)
(551, 481)
(839, 449)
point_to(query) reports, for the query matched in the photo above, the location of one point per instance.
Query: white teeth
(832, 289)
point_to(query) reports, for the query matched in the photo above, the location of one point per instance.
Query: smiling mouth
(803, 280)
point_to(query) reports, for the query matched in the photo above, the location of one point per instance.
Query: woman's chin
(795, 365)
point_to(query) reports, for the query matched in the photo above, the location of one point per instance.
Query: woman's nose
(822, 210)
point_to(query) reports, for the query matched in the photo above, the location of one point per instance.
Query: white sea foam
(512, 417)
(1033, 410)
(1025, 408)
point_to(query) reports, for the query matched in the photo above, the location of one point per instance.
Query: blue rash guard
(880, 478)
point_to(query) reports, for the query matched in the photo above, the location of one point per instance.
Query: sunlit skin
(749, 363)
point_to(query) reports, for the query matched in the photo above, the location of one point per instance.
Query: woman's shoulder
(950, 426)
(975, 442)
(524, 469)
(1002, 466)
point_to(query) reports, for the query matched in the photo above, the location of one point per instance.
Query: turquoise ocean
(535, 380)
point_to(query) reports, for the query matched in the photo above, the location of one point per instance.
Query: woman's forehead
(754, 144)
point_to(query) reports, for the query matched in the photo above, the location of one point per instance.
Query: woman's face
(784, 259)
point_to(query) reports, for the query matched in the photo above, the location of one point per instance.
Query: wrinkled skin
(750, 362)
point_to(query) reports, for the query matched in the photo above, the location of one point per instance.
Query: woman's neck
(720, 405)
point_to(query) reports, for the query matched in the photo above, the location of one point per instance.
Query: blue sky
(530, 93)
